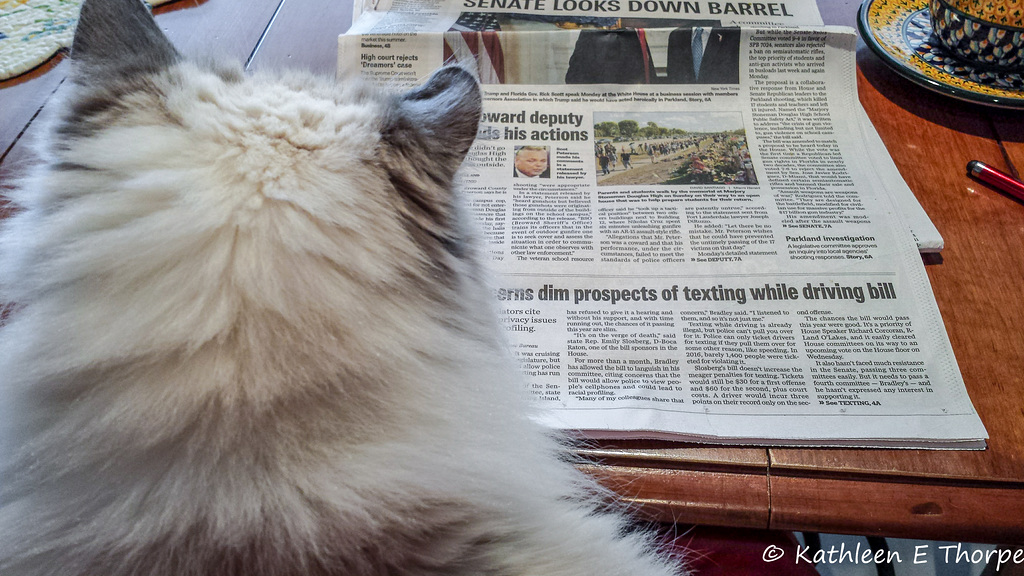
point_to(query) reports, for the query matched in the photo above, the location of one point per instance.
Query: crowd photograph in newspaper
(671, 149)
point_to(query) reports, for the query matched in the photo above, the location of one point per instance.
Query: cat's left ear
(119, 38)
(440, 118)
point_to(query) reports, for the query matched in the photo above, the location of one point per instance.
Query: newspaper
(718, 256)
(412, 16)
(402, 65)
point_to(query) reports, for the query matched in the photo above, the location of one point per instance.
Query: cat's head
(257, 173)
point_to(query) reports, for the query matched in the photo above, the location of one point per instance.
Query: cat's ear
(119, 38)
(441, 117)
(426, 134)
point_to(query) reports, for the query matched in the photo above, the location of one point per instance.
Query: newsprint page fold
(695, 232)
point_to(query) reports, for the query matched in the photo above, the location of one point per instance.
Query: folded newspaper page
(694, 251)
(385, 17)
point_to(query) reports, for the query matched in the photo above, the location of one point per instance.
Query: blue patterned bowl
(986, 33)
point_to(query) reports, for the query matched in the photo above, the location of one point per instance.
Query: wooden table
(978, 283)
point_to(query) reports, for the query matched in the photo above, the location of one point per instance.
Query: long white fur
(222, 359)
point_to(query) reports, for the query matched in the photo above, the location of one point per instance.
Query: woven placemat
(32, 31)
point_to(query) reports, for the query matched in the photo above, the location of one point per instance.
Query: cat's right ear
(118, 39)
(438, 120)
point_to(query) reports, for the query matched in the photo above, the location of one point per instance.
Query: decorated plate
(900, 32)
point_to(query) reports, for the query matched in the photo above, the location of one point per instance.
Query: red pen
(999, 180)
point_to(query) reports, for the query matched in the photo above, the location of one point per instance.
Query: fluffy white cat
(250, 337)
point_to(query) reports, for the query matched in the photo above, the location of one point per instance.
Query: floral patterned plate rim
(900, 32)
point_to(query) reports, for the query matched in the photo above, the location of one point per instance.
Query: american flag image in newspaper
(482, 47)
(476, 22)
